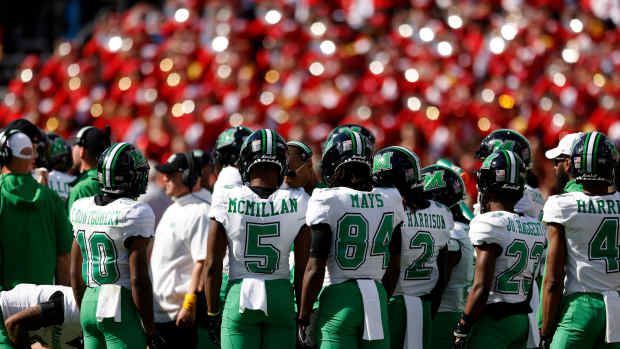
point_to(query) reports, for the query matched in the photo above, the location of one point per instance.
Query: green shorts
(510, 332)
(340, 318)
(5, 341)
(444, 324)
(254, 329)
(582, 323)
(127, 334)
(398, 322)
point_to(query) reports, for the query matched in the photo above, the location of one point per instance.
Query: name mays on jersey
(601, 207)
(367, 200)
(260, 209)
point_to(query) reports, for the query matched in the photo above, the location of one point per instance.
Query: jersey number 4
(352, 240)
(604, 245)
(99, 255)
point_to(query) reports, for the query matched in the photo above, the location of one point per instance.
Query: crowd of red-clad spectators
(435, 76)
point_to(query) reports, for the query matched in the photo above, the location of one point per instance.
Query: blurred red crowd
(435, 76)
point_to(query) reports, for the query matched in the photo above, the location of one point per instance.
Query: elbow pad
(321, 241)
(53, 311)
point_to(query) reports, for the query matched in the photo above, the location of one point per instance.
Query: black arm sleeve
(53, 311)
(321, 241)
(396, 241)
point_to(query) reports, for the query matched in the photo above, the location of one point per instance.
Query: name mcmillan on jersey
(260, 209)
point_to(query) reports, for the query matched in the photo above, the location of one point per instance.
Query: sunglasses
(293, 173)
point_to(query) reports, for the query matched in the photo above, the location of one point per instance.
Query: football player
(60, 162)
(532, 201)
(445, 186)
(109, 270)
(370, 137)
(356, 236)
(424, 269)
(227, 149)
(509, 248)
(39, 313)
(258, 222)
(583, 261)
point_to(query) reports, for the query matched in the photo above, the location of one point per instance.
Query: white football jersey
(260, 231)
(453, 299)
(102, 231)
(24, 296)
(362, 224)
(591, 230)
(522, 240)
(425, 232)
(60, 183)
(531, 203)
(228, 176)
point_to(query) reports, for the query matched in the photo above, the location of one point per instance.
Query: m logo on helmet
(434, 180)
(487, 162)
(226, 138)
(505, 145)
(137, 157)
(382, 162)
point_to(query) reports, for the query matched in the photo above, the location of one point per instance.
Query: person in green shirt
(35, 233)
(560, 156)
(88, 144)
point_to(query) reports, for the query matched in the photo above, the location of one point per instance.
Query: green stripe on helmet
(264, 142)
(353, 139)
(584, 157)
(274, 138)
(508, 165)
(594, 159)
(113, 165)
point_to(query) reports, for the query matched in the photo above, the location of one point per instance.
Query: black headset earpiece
(189, 175)
(5, 152)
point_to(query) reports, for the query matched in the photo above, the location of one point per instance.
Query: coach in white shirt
(179, 252)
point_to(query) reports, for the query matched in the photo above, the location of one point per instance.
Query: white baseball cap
(21, 146)
(564, 147)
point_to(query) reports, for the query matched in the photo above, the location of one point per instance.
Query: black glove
(461, 332)
(213, 326)
(545, 342)
(155, 341)
(303, 339)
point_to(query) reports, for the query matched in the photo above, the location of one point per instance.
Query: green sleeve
(63, 228)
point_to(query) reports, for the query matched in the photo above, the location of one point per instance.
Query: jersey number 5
(604, 245)
(99, 254)
(268, 254)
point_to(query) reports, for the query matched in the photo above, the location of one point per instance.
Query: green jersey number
(417, 270)
(506, 282)
(268, 254)
(99, 254)
(604, 245)
(352, 240)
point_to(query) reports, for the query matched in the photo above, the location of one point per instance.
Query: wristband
(190, 301)
(213, 314)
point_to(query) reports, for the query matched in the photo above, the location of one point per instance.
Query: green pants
(127, 334)
(340, 318)
(582, 323)
(5, 341)
(252, 328)
(509, 333)
(444, 323)
(398, 322)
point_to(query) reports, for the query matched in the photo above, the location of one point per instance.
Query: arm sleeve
(219, 206)
(198, 235)
(63, 228)
(486, 229)
(558, 210)
(318, 208)
(321, 241)
(397, 240)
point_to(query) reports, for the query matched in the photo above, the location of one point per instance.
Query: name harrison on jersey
(261, 209)
(425, 220)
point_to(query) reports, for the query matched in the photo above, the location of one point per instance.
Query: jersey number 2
(604, 245)
(99, 255)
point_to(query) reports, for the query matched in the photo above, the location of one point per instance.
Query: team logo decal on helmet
(594, 158)
(123, 170)
(229, 144)
(501, 170)
(505, 139)
(344, 148)
(396, 167)
(263, 146)
(443, 185)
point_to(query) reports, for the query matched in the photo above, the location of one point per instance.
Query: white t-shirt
(425, 232)
(591, 227)
(180, 242)
(228, 176)
(260, 231)
(522, 240)
(102, 231)
(24, 296)
(362, 224)
(59, 182)
(453, 299)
